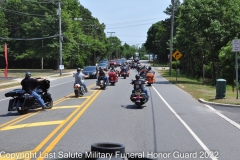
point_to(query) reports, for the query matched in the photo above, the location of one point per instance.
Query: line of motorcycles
(22, 101)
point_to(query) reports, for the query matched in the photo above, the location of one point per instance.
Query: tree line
(203, 33)
(30, 28)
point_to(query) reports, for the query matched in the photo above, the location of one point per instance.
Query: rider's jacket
(138, 84)
(124, 69)
(101, 73)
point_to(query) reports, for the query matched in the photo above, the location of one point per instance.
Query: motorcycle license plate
(137, 93)
(111, 78)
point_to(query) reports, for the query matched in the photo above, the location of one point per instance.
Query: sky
(129, 19)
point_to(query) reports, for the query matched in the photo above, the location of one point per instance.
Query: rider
(149, 70)
(124, 68)
(142, 85)
(29, 84)
(79, 79)
(103, 73)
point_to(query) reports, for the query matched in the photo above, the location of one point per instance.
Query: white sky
(129, 19)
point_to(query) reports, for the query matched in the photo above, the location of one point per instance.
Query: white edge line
(187, 127)
(224, 117)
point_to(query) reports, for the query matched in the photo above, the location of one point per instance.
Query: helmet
(149, 68)
(27, 75)
(78, 69)
(137, 76)
(100, 68)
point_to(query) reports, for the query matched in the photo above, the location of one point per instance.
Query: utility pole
(171, 39)
(60, 36)
(111, 42)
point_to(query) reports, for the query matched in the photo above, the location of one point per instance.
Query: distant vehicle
(104, 61)
(124, 60)
(136, 60)
(119, 62)
(103, 66)
(113, 63)
(91, 71)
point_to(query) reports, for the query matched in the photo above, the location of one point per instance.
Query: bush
(144, 58)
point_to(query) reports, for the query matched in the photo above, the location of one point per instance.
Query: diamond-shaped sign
(177, 55)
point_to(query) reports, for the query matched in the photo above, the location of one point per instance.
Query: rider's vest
(101, 73)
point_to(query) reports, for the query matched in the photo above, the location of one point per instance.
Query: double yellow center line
(23, 117)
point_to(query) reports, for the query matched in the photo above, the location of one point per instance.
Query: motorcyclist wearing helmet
(102, 73)
(29, 84)
(142, 85)
(79, 79)
(149, 70)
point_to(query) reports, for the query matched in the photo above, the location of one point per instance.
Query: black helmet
(100, 68)
(27, 75)
(137, 76)
(78, 69)
(149, 68)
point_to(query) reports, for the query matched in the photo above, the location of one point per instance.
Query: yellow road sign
(177, 55)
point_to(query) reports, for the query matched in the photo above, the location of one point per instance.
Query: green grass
(158, 64)
(198, 89)
(18, 73)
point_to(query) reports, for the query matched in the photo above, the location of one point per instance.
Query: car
(103, 66)
(136, 60)
(119, 62)
(113, 63)
(91, 71)
(104, 61)
(124, 60)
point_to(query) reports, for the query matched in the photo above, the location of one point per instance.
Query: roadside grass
(18, 73)
(198, 89)
(158, 64)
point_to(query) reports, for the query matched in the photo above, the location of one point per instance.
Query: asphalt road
(171, 125)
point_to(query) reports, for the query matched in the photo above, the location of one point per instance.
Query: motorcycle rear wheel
(76, 93)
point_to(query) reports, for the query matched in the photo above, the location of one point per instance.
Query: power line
(130, 26)
(21, 13)
(27, 39)
(134, 21)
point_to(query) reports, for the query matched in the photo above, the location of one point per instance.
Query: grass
(18, 73)
(198, 89)
(158, 64)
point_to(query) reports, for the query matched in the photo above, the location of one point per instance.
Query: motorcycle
(22, 101)
(112, 76)
(150, 78)
(143, 72)
(124, 73)
(101, 82)
(78, 90)
(138, 96)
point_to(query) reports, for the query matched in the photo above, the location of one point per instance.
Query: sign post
(236, 49)
(177, 55)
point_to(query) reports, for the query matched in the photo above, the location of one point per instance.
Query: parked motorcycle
(22, 101)
(138, 96)
(78, 90)
(101, 82)
(150, 78)
(113, 78)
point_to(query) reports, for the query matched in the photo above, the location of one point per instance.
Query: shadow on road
(132, 107)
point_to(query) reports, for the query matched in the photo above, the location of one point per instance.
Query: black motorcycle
(138, 96)
(101, 82)
(22, 101)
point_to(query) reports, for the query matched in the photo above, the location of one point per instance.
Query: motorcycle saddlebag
(15, 92)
